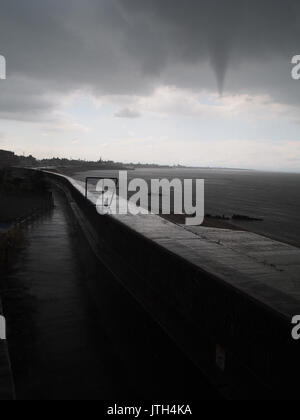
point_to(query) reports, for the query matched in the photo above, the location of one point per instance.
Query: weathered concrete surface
(263, 260)
(219, 294)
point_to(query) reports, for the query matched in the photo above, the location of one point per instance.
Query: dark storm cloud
(131, 46)
(25, 99)
(225, 33)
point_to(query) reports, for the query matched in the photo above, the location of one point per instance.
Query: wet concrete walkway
(58, 346)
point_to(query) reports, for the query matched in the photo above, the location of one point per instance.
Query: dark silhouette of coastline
(71, 166)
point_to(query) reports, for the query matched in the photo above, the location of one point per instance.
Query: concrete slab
(243, 259)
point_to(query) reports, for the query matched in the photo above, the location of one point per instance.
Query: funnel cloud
(129, 46)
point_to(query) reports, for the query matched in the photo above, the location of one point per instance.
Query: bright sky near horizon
(152, 81)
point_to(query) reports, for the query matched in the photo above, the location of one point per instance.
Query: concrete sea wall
(229, 313)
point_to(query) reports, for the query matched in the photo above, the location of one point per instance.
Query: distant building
(7, 159)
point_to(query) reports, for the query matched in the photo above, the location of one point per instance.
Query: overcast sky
(196, 82)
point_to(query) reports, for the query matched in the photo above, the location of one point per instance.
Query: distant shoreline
(72, 170)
